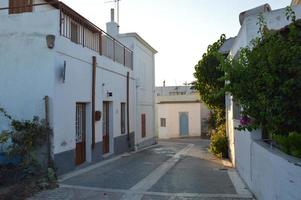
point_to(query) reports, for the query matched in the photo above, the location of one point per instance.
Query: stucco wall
(171, 111)
(110, 77)
(26, 64)
(269, 173)
(144, 73)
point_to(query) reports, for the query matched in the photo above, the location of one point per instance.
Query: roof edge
(140, 39)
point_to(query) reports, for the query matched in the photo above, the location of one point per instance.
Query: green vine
(266, 77)
(24, 139)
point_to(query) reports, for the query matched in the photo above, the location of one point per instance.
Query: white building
(269, 173)
(100, 101)
(180, 113)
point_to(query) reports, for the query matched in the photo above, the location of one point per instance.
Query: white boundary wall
(269, 173)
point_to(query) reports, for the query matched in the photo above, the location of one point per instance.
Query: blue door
(184, 123)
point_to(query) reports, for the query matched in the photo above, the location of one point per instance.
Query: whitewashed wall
(171, 111)
(24, 54)
(144, 73)
(110, 77)
(29, 75)
(269, 173)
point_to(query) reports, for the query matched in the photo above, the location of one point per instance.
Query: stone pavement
(179, 169)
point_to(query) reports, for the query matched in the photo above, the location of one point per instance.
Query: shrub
(209, 80)
(26, 137)
(266, 81)
(219, 142)
(290, 144)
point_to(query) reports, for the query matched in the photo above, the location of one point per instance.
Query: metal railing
(83, 32)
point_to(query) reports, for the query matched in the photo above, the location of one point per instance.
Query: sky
(180, 30)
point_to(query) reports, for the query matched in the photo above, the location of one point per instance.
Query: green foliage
(266, 80)
(219, 142)
(290, 144)
(25, 139)
(210, 82)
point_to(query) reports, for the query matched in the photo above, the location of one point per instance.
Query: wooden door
(143, 126)
(80, 128)
(184, 123)
(106, 128)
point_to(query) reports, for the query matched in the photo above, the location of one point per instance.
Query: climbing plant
(210, 84)
(25, 137)
(266, 80)
(209, 80)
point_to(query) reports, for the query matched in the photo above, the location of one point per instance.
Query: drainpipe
(128, 106)
(46, 106)
(93, 99)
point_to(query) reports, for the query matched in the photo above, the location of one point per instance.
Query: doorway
(80, 133)
(106, 128)
(184, 123)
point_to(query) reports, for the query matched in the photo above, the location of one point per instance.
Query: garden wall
(269, 173)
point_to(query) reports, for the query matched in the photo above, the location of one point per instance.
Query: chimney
(112, 26)
(164, 83)
(112, 15)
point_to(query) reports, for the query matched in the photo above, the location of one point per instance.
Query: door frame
(180, 124)
(109, 127)
(80, 147)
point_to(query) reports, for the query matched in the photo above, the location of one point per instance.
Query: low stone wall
(269, 173)
(146, 143)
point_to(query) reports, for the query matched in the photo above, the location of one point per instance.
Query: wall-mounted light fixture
(63, 74)
(109, 94)
(50, 39)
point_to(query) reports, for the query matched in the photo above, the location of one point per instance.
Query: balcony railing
(81, 31)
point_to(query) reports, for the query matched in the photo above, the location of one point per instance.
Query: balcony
(81, 31)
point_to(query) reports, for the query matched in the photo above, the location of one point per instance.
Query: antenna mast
(117, 8)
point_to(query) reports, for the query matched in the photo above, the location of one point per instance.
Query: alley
(173, 169)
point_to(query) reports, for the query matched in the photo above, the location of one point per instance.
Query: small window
(143, 127)
(20, 6)
(236, 110)
(122, 118)
(74, 32)
(163, 122)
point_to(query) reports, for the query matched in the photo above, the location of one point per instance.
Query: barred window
(163, 122)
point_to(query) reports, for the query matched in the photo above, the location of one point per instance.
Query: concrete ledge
(146, 142)
(65, 161)
(122, 144)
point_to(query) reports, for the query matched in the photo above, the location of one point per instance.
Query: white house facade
(180, 113)
(269, 173)
(98, 101)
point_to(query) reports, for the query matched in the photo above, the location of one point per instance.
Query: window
(143, 127)
(74, 32)
(122, 118)
(20, 6)
(236, 110)
(163, 122)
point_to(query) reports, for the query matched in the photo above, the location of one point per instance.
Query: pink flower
(245, 121)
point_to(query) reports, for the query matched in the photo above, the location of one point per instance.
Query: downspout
(127, 107)
(46, 104)
(93, 99)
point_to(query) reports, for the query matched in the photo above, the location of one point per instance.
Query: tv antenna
(117, 7)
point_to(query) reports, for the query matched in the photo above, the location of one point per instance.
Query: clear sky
(180, 30)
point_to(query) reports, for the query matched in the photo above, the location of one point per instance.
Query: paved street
(179, 169)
